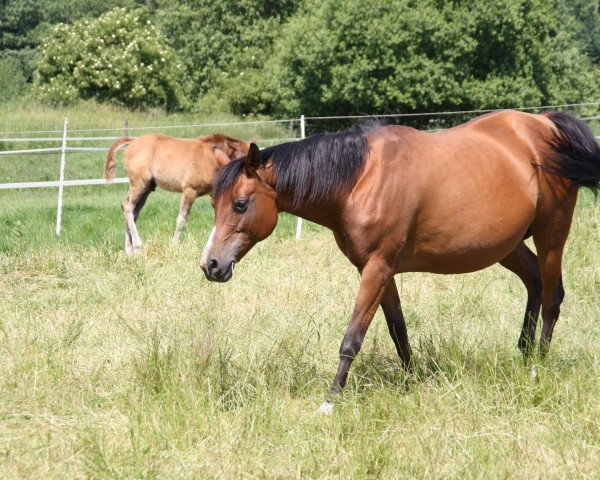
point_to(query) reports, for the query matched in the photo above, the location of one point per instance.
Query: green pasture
(136, 367)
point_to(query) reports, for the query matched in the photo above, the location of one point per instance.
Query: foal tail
(575, 152)
(110, 164)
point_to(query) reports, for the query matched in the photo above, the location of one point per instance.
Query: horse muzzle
(216, 271)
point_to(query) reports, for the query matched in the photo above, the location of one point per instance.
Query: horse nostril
(212, 265)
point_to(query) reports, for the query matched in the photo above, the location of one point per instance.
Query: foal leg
(128, 244)
(390, 303)
(523, 262)
(187, 200)
(140, 204)
(136, 212)
(138, 193)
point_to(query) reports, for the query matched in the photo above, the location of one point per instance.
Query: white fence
(64, 149)
(61, 182)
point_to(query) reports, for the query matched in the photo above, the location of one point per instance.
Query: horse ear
(238, 148)
(221, 157)
(252, 160)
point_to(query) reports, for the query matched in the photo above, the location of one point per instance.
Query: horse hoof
(533, 372)
(326, 408)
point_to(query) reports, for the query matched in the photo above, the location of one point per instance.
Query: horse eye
(240, 206)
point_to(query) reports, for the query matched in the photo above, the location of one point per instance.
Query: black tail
(575, 152)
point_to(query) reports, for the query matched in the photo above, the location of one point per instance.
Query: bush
(121, 57)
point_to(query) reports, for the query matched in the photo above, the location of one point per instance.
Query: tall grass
(118, 367)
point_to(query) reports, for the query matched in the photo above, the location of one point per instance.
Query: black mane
(312, 169)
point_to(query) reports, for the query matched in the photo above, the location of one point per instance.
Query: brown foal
(401, 200)
(174, 164)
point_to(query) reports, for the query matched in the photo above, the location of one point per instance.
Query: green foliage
(121, 57)
(12, 80)
(223, 46)
(285, 57)
(25, 23)
(582, 17)
(403, 56)
(19, 22)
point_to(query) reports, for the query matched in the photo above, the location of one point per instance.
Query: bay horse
(402, 200)
(181, 165)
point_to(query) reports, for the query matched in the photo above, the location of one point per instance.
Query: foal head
(245, 213)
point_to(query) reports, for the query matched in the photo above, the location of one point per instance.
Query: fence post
(126, 126)
(61, 178)
(299, 221)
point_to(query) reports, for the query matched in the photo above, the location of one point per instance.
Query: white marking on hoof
(326, 408)
(533, 372)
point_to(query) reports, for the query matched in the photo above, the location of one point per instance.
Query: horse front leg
(375, 277)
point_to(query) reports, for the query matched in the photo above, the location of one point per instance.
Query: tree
(121, 57)
(403, 55)
(222, 44)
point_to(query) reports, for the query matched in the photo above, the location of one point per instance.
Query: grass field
(118, 367)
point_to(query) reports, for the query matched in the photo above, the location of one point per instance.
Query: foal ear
(252, 160)
(221, 157)
(238, 148)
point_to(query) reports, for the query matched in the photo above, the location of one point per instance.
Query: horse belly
(463, 258)
(459, 233)
(169, 172)
(169, 183)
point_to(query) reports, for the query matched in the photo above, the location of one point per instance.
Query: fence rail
(301, 121)
(58, 183)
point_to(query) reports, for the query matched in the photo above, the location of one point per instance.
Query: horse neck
(327, 212)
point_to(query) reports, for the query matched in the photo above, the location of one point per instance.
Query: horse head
(245, 214)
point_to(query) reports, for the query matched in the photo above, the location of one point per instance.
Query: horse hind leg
(142, 200)
(553, 294)
(550, 235)
(188, 198)
(524, 263)
(136, 198)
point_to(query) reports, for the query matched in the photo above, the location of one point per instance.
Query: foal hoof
(326, 408)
